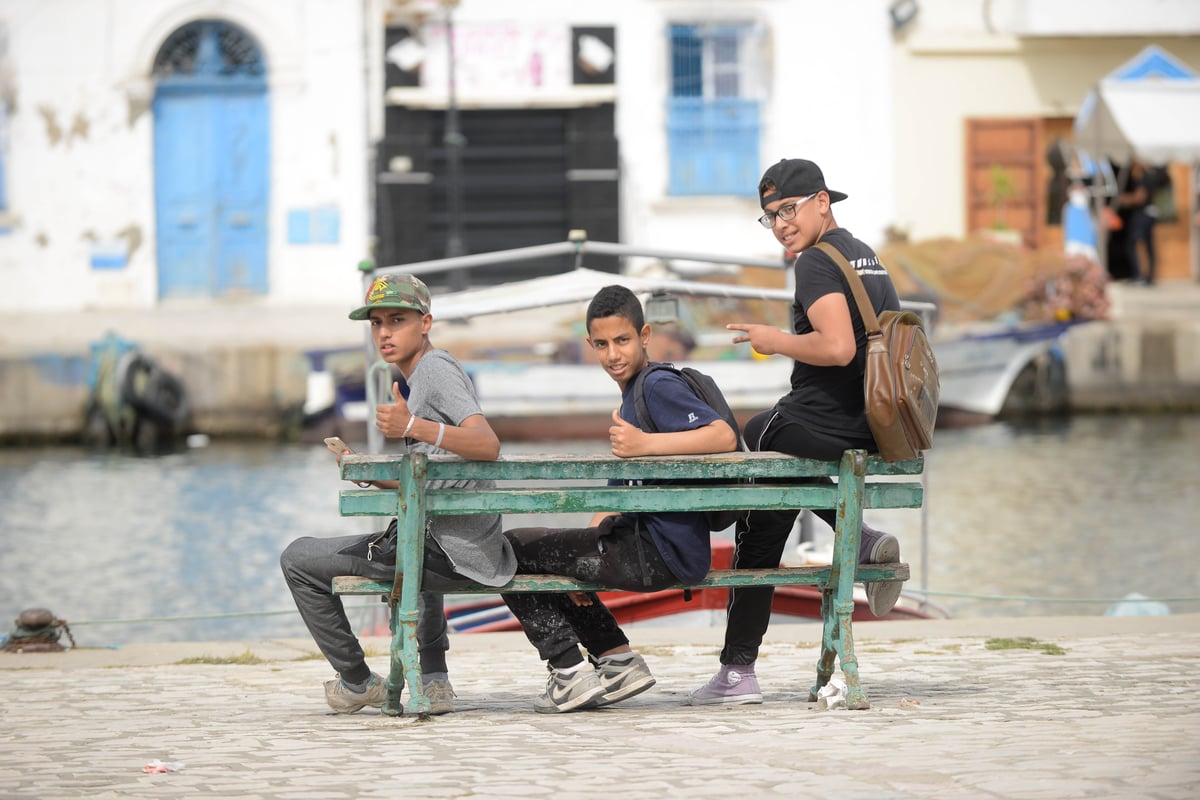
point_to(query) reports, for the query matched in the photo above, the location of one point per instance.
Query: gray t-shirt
(440, 390)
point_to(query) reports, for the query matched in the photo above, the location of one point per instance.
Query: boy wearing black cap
(820, 417)
(440, 414)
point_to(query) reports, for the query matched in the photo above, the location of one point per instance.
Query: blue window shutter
(3, 155)
(712, 132)
(686, 75)
(299, 226)
(326, 225)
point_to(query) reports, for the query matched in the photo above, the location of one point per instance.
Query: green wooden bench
(549, 483)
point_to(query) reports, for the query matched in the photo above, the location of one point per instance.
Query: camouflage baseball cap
(394, 290)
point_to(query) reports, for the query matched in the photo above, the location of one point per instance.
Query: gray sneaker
(440, 693)
(622, 679)
(881, 548)
(732, 685)
(343, 700)
(568, 692)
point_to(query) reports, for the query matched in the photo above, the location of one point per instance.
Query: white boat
(987, 368)
(544, 397)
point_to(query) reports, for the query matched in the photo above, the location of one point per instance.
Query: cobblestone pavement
(1116, 713)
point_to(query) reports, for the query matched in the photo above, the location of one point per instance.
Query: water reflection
(1095, 506)
(1084, 507)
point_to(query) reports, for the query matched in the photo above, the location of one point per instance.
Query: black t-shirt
(830, 399)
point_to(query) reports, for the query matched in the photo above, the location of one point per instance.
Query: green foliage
(246, 658)
(1025, 643)
(1003, 190)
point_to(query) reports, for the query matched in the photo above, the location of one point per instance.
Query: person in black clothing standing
(1135, 208)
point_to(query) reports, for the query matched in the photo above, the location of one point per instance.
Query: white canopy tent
(1156, 120)
(1149, 108)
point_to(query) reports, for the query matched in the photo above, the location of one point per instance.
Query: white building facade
(205, 151)
(157, 153)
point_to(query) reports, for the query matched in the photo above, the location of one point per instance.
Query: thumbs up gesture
(391, 418)
(626, 440)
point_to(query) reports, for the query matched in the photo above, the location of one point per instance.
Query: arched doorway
(211, 169)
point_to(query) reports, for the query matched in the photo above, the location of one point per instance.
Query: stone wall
(1143, 365)
(253, 391)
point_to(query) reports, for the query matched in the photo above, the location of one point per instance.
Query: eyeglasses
(785, 213)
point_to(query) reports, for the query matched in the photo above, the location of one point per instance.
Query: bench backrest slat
(640, 498)
(767, 465)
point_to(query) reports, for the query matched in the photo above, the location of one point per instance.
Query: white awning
(1157, 120)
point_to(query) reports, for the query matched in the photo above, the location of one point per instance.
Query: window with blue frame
(4, 103)
(3, 156)
(713, 110)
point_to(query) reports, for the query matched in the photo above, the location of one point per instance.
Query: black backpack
(705, 388)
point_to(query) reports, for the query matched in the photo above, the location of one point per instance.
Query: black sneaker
(885, 549)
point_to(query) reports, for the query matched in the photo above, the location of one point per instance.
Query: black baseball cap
(794, 177)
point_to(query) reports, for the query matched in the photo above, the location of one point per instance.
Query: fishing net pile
(978, 279)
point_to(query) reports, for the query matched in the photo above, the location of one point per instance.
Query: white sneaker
(569, 691)
(342, 699)
(441, 695)
(623, 679)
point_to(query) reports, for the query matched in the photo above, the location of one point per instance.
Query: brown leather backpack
(901, 384)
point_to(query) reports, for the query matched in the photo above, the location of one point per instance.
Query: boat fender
(154, 392)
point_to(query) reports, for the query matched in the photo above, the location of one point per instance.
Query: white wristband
(441, 433)
(411, 419)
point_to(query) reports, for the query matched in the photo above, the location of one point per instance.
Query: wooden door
(1005, 176)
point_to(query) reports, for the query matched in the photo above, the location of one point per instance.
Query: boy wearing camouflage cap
(440, 414)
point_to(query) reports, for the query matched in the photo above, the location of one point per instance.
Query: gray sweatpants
(309, 565)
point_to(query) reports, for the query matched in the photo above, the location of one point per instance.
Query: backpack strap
(865, 309)
(644, 420)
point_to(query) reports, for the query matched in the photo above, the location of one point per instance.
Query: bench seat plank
(813, 575)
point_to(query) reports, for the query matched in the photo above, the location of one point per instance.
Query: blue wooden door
(241, 194)
(210, 166)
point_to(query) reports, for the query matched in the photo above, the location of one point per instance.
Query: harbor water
(1048, 517)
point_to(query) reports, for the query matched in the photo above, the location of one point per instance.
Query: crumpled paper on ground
(157, 766)
(832, 695)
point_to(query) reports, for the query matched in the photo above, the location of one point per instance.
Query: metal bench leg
(403, 649)
(837, 606)
(837, 644)
(856, 698)
(829, 625)
(405, 599)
